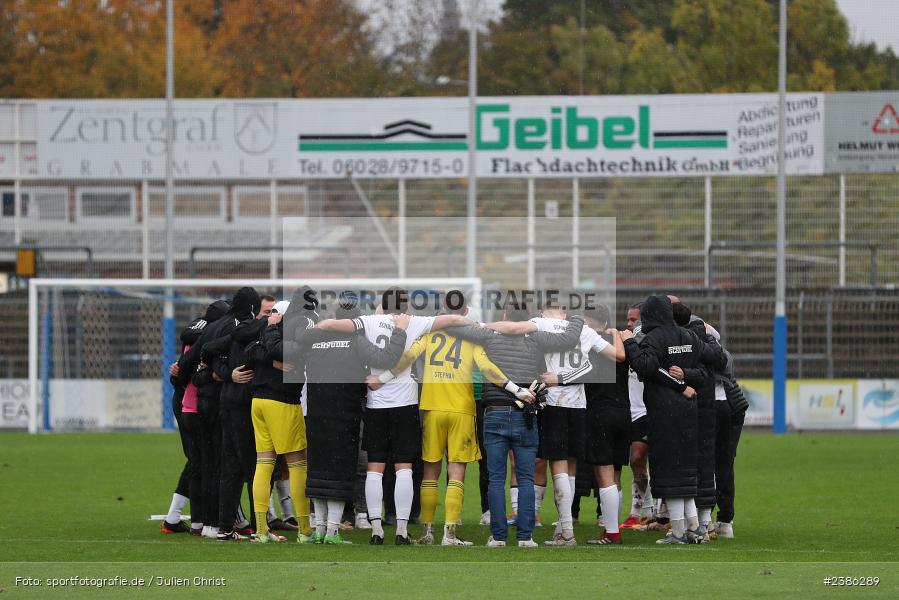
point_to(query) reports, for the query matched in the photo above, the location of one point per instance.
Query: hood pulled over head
(304, 303)
(216, 311)
(245, 303)
(656, 312)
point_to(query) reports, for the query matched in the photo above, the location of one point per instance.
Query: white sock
(690, 513)
(610, 500)
(176, 508)
(676, 514)
(648, 502)
(335, 514)
(403, 493)
(374, 497)
(705, 516)
(539, 494)
(196, 525)
(241, 521)
(636, 498)
(321, 512)
(662, 510)
(563, 496)
(271, 515)
(620, 499)
(571, 485)
(513, 495)
(284, 499)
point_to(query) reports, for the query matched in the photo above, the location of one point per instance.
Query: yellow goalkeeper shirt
(448, 376)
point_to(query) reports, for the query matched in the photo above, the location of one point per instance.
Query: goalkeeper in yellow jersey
(447, 400)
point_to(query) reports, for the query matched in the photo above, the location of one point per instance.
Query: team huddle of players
(272, 396)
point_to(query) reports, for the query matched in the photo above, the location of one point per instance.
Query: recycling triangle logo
(887, 121)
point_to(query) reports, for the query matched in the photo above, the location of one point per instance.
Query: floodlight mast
(780, 309)
(472, 233)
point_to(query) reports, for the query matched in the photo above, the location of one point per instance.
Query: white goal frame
(37, 284)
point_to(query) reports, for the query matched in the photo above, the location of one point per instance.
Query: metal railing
(275, 253)
(720, 247)
(564, 250)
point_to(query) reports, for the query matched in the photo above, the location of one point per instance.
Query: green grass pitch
(809, 506)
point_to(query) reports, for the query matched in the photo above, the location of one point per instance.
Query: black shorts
(392, 435)
(561, 433)
(608, 436)
(640, 430)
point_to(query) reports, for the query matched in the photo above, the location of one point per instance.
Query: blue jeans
(504, 431)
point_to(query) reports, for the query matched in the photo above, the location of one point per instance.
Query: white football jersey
(402, 390)
(572, 363)
(720, 394)
(635, 393)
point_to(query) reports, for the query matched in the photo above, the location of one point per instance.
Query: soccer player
(483, 478)
(449, 428)
(508, 426)
(641, 495)
(705, 409)
(730, 412)
(278, 424)
(336, 367)
(607, 421)
(671, 409)
(244, 305)
(392, 431)
(238, 457)
(562, 422)
(190, 444)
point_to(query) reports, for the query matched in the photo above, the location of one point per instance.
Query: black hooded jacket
(189, 336)
(229, 352)
(244, 305)
(672, 418)
(282, 342)
(665, 345)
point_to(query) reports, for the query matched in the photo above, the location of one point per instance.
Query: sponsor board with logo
(877, 405)
(14, 404)
(133, 404)
(562, 136)
(125, 139)
(524, 136)
(758, 394)
(826, 405)
(861, 132)
(27, 160)
(85, 404)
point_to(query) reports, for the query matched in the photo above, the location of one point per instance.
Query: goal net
(99, 349)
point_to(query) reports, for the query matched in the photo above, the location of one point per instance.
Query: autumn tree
(93, 48)
(295, 49)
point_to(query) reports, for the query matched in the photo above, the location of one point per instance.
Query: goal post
(99, 349)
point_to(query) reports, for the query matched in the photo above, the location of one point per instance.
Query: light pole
(169, 134)
(780, 304)
(168, 311)
(472, 240)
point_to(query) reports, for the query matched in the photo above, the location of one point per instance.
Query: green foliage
(260, 48)
(684, 46)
